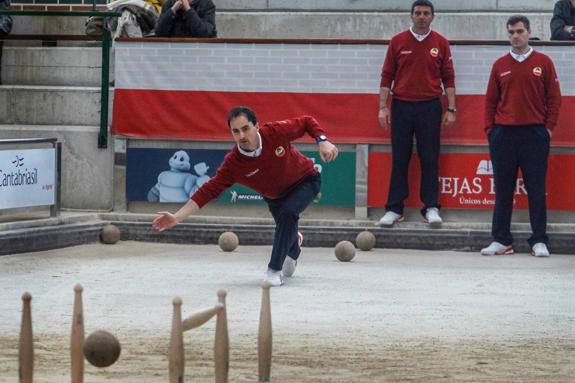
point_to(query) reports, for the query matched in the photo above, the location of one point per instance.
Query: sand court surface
(387, 316)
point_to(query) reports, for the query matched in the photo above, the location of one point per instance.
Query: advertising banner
(27, 177)
(338, 84)
(466, 181)
(171, 175)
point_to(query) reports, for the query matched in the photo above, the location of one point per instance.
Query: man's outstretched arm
(166, 220)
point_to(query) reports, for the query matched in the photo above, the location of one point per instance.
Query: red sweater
(417, 68)
(523, 93)
(274, 172)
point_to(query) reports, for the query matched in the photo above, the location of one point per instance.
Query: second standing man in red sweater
(417, 64)
(521, 110)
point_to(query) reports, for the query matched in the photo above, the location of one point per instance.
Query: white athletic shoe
(432, 217)
(290, 264)
(390, 218)
(274, 277)
(497, 248)
(540, 250)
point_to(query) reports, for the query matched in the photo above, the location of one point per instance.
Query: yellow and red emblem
(434, 52)
(280, 151)
(537, 71)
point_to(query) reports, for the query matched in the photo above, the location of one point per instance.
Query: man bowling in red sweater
(265, 161)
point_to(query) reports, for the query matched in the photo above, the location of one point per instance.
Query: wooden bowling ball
(101, 348)
(110, 234)
(365, 240)
(344, 251)
(228, 241)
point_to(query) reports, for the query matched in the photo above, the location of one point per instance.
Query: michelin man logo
(178, 184)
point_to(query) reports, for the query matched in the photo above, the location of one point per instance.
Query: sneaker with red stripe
(496, 248)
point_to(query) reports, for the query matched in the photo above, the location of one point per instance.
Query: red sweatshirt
(523, 93)
(274, 172)
(417, 68)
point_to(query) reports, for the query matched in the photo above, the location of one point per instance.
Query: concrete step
(84, 227)
(62, 66)
(50, 105)
(57, 236)
(48, 25)
(47, 238)
(329, 236)
(87, 172)
(482, 23)
(386, 5)
(369, 25)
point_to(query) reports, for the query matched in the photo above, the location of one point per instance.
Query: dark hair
(242, 110)
(518, 19)
(422, 3)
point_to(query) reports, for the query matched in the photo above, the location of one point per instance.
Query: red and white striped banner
(184, 90)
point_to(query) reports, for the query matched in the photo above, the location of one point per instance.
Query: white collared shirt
(255, 153)
(419, 37)
(521, 57)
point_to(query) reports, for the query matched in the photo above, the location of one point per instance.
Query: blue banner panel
(174, 175)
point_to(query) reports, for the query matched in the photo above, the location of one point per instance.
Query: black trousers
(525, 148)
(1, 48)
(422, 119)
(286, 211)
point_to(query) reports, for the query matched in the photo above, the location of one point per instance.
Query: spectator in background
(5, 26)
(187, 18)
(521, 109)
(5, 20)
(563, 21)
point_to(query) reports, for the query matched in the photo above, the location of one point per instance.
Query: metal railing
(106, 43)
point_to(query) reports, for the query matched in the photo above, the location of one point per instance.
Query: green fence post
(105, 87)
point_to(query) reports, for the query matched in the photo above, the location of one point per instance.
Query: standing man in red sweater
(417, 64)
(265, 161)
(521, 109)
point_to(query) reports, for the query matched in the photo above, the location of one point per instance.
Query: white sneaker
(497, 248)
(540, 250)
(390, 218)
(290, 264)
(432, 217)
(274, 277)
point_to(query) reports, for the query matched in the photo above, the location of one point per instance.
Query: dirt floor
(387, 316)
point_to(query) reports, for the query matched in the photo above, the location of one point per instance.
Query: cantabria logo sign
(27, 178)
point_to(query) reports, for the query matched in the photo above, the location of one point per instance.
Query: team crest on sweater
(280, 151)
(434, 52)
(537, 71)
